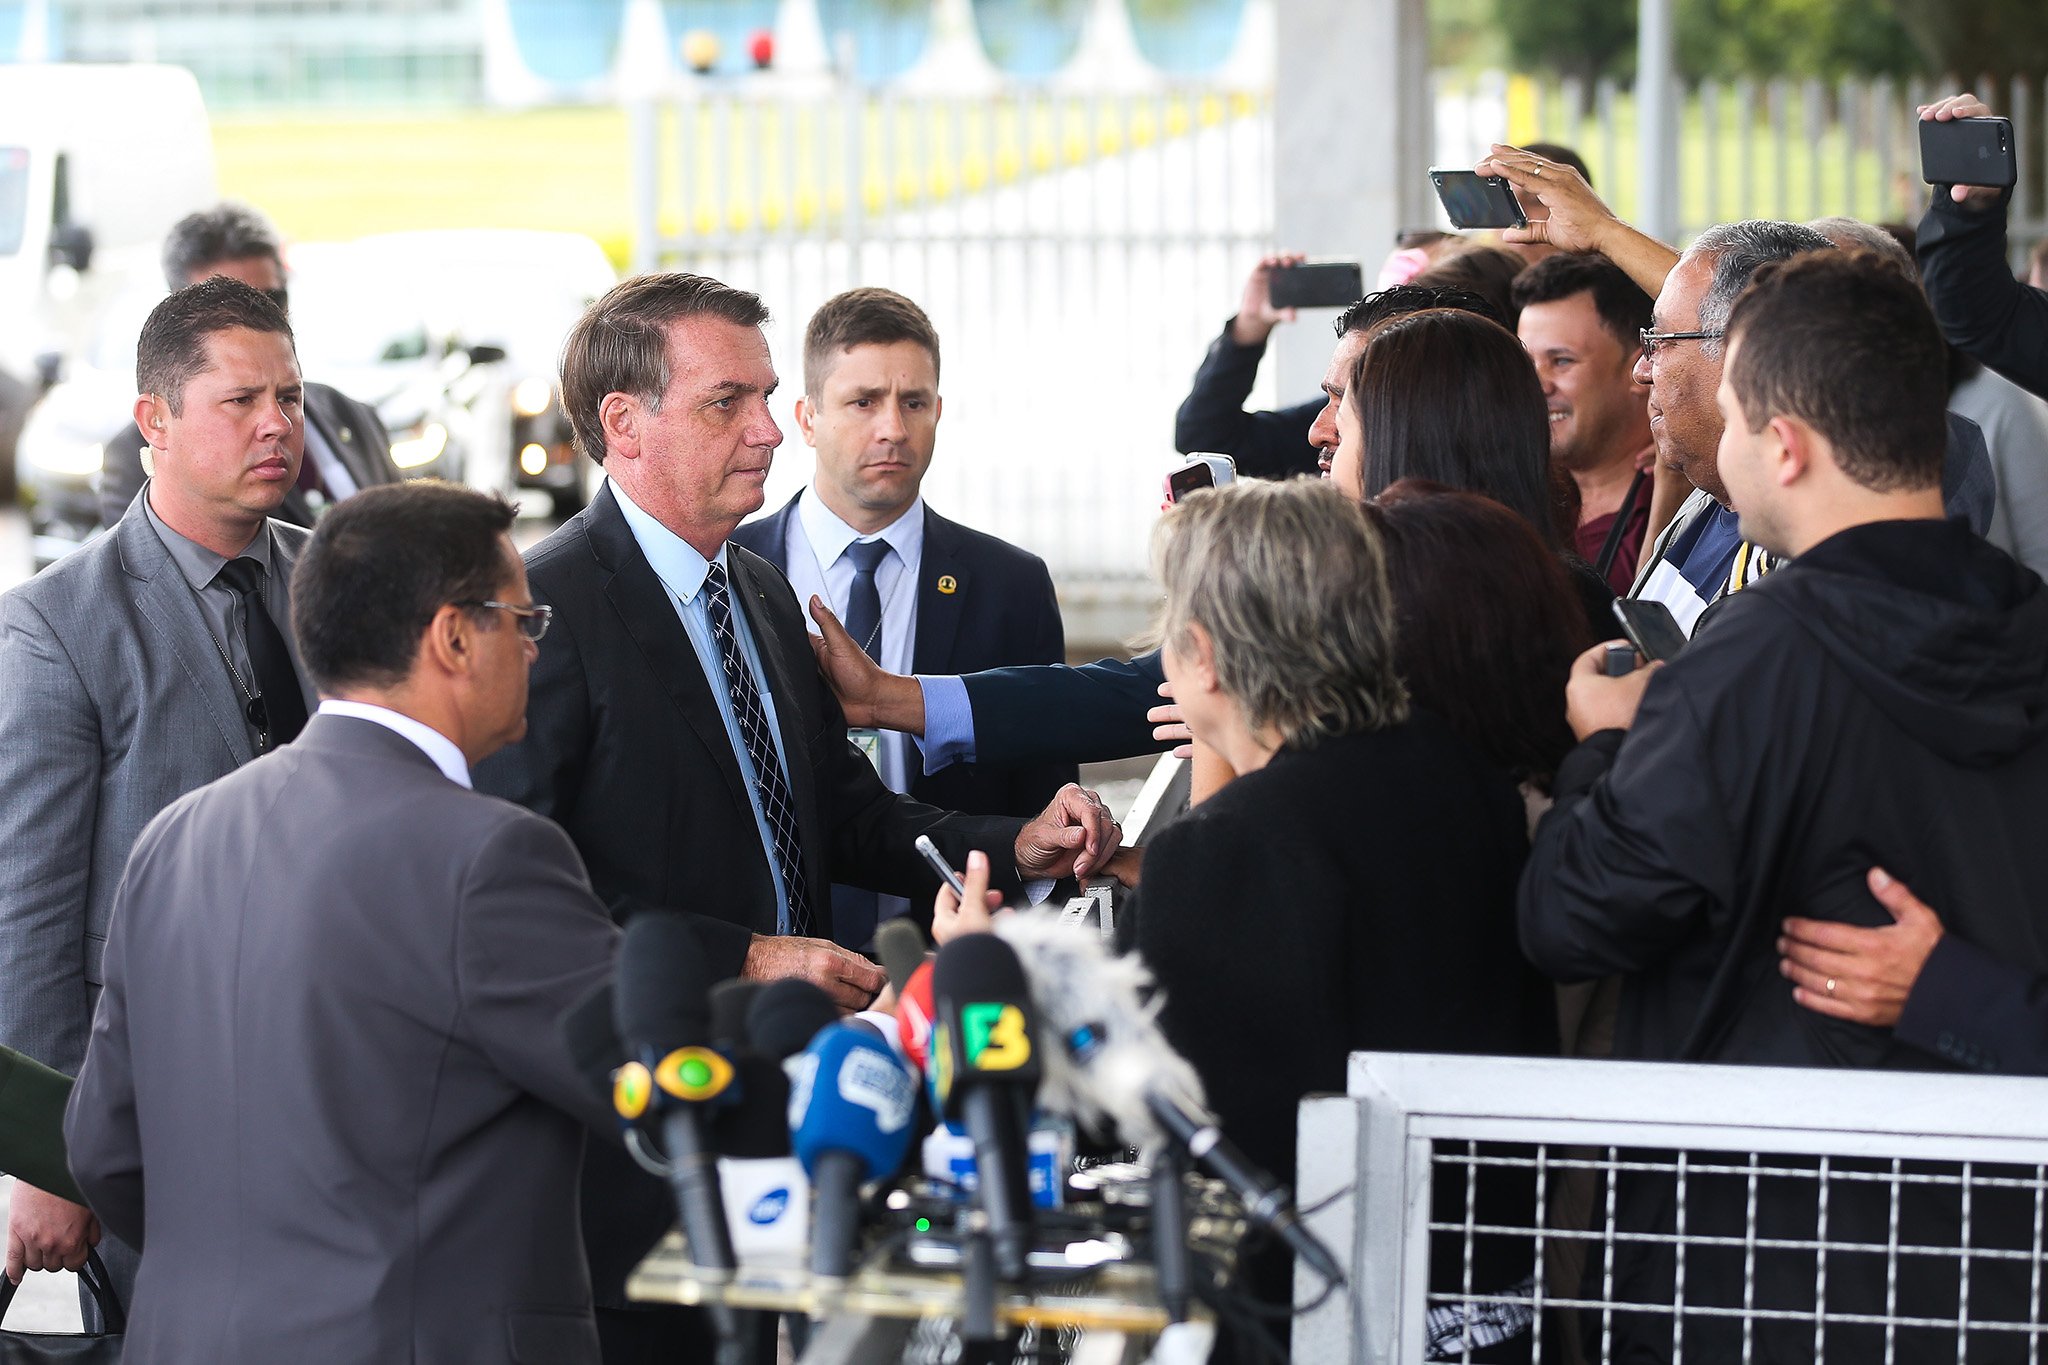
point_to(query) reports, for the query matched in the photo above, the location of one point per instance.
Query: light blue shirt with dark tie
(682, 572)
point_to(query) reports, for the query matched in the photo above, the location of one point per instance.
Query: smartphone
(939, 864)
(1969, 151)
(1477, 201)
(1650, 627)
(1316, 284)
(1200, 471)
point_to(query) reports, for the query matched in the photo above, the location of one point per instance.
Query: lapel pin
(948, 584)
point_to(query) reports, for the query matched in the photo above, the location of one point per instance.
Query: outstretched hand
(1572, 217)
(1946, 111)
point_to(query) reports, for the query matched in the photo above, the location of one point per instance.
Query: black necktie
(776, 806)
(278, 709)
(864, 603)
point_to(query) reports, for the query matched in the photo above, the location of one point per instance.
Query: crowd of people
(303, 865)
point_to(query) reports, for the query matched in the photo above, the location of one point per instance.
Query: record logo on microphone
(632, 1089)
(995, 1036)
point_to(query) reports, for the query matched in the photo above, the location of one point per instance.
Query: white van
(96, 163)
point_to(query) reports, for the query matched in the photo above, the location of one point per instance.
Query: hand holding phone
(1650, 627)
(1472, 200)
(1316, 284)
(1199, 471)
(1973, 150)
(937, 860)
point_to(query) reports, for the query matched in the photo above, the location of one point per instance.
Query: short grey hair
(1853, 234)
(1289, 580)
(225, 232)
(1738, 250)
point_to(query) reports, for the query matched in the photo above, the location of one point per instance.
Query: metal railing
(1796, 149)
(1680, 1212)
(1075, 253)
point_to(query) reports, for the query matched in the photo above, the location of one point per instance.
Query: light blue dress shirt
(682, 572)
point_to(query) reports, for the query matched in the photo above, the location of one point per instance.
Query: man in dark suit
(146, 664)
(398, 936)
(343, 443)
(679, 728)
(920, 594)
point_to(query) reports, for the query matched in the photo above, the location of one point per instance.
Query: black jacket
(1881, 700)
(1212, 419)
(1970, 1008)
(998, 609)
(1356, 895)
(353, 430)
(1983, 310)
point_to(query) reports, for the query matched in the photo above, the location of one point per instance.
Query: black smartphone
(1650, 627)
(1969, 151)
(1201, 471)
(1473, 200)
(1316, 284)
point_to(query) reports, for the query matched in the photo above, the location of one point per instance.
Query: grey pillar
(1657, 120)
(1351, 142)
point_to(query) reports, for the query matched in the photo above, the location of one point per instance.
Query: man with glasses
(343, 443)
(143, 666)
(418, 945)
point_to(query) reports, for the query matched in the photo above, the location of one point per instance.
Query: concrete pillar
(1657, 119)
(1351, 145)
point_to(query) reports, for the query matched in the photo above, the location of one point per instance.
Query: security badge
(948, 584)
(868, 742)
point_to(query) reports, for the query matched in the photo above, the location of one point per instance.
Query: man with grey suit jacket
(361, 1142)
(136, 669)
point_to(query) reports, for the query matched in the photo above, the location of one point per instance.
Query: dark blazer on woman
(1359, 895)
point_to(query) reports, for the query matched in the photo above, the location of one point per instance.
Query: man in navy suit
(919, 593)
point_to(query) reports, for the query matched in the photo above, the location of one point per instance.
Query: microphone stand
(1170, 1234)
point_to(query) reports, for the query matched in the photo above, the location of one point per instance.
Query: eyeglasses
(1651, 340)
(533, 620)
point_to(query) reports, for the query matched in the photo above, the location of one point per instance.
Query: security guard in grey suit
(344, 443)
(146, 664)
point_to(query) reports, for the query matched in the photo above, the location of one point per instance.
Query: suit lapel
(649, 617)
(938, 610)
(167, 600)
(326, 412)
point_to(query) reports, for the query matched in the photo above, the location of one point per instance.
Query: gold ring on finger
(1830, 987)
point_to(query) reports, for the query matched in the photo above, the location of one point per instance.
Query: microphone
(1115, 1066)
(902, 950)
(729, 1003)
(662, 1014)
(985, 1070)
(914, 1017)
(850, 1108)
(785, 1015)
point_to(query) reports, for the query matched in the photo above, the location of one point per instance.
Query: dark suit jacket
(32, 1100)
(625, 750)
(325, 1091)
(353, 430)
(1003, 612)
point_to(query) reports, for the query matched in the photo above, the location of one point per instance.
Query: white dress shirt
(435, 745)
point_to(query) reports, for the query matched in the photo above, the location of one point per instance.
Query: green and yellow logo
(693, 1073)
(632, 1090)
(995, 1036)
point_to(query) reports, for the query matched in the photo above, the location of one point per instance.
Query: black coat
(1002, 611)
(1358, 895)
(1212, 418)
(1881, 700)
(353, 430)
(1982, 308)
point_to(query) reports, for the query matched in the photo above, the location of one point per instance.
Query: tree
(1997, 38)
(1582, 38)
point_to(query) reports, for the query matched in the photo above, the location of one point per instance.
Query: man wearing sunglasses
(343, 443)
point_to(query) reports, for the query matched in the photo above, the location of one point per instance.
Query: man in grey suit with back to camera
(325, 1080)
(146, 664)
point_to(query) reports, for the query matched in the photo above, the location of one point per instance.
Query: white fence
(1680, 1212)
(1076, 255)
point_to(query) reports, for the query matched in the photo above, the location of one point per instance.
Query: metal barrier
(1729, 1213)
(1076, 253)
(1753, 149)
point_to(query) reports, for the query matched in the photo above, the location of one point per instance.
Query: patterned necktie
(278, 709)
(769, 782)
(864, 603)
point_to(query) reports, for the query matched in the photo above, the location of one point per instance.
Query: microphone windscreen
(663, 985)
(850, 1093)
(785, 1015)
(758, 1125)
(983, 1025)
(914, 1017)
(902, 948)
(593, 1040)
(729, 1002)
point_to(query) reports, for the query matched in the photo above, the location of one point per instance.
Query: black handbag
(69, 1348)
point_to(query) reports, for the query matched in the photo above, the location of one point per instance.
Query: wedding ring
(1830, 986)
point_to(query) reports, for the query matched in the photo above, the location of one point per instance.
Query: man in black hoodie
(1883, 699)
